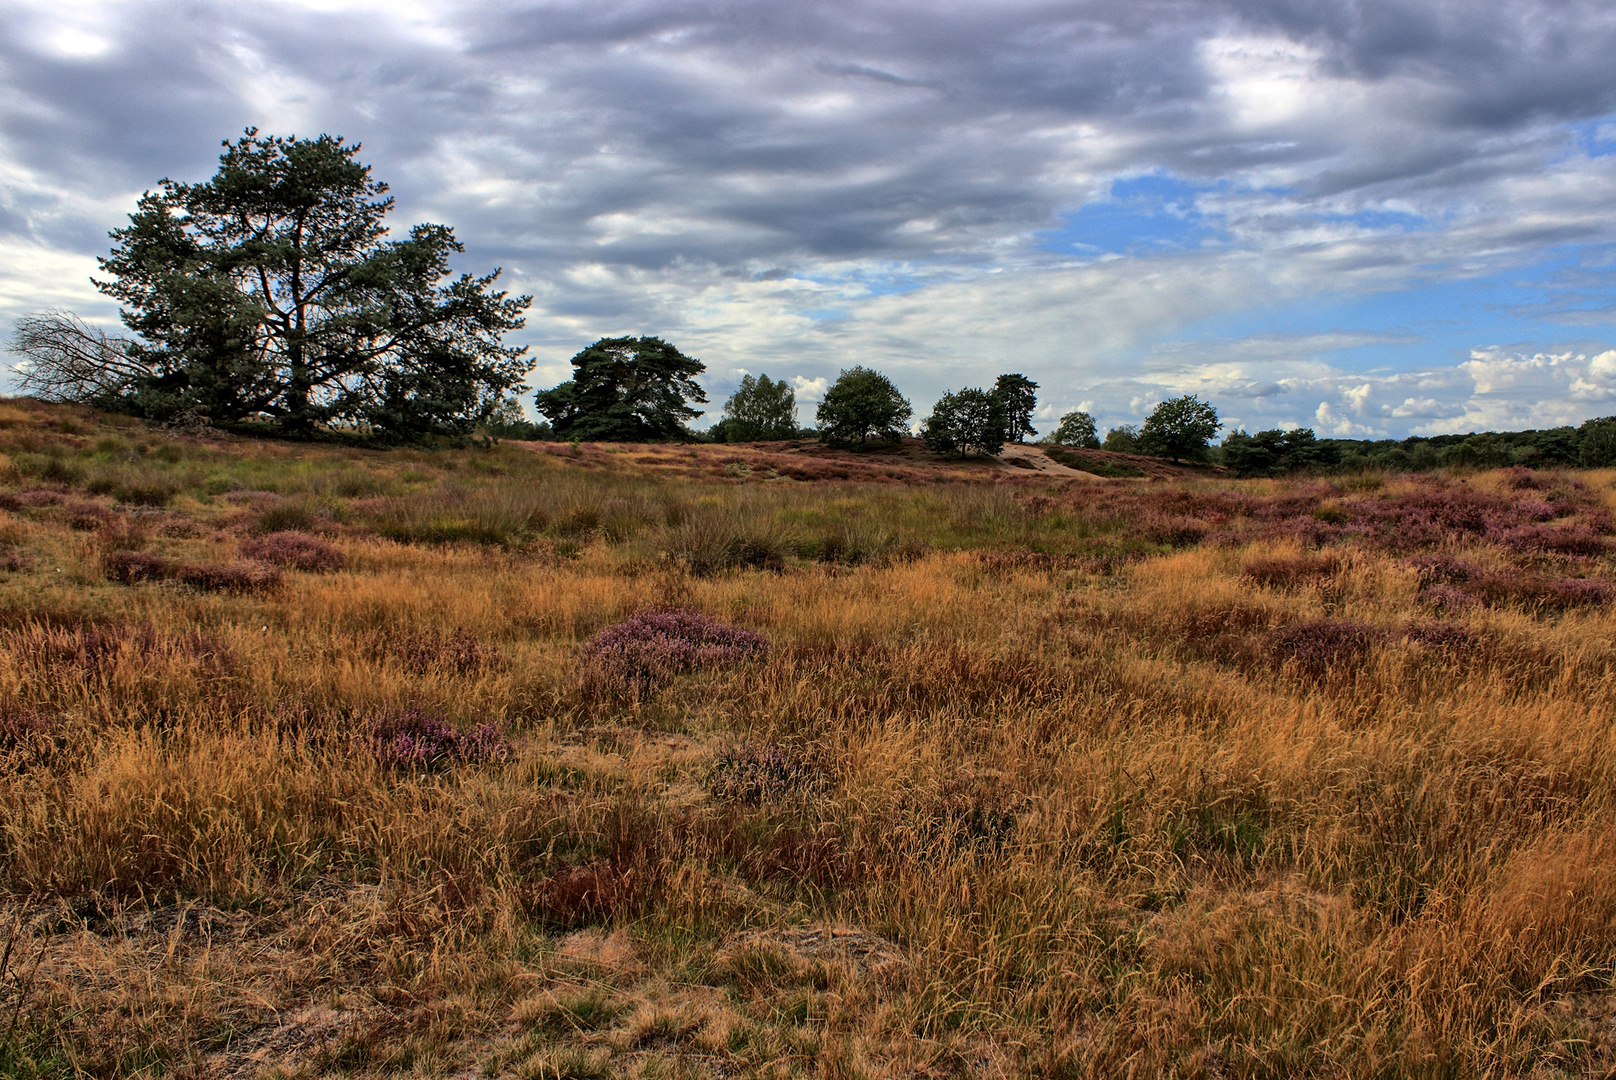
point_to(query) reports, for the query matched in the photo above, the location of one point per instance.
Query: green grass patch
(1076, 459)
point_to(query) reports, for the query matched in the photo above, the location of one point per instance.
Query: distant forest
(1593, 445)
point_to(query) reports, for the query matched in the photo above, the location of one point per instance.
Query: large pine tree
(272, 290)
(625, 390)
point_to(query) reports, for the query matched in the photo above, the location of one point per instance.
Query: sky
(1374, 218)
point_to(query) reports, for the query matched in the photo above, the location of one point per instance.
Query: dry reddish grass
(1221, 803)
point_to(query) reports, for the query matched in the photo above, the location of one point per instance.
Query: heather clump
(1448, 598)
(1442, 636)
(1433, 515)
(1520, 478)
(1544, 539)
(294, 550)
(238, 577)
(1442, 569)
(1320, 647)
(1429, 516)
(1454, 584)
(133, 567)
(416, 739)
(130, 567)
(579, 896)
(124, 533)
(650, 647)
(86, 516)
(1573, 592)
(1173, 530)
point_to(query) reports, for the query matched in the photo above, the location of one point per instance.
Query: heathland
(595, 760)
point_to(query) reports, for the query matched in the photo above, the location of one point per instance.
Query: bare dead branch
(65, 359)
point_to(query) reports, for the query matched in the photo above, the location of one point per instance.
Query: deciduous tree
(967, 422)
(65, 359)
(1596, 442)
(860, 406)
(1122, 439)
(1180, 428)
(761, 408)
(1077, 429)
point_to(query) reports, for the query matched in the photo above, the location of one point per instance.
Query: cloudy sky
(1371, 217)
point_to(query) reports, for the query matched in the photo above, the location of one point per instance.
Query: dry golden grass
(1060, 802)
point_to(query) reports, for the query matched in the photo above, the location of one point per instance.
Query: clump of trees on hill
(975, 421)
(1180, 428)
(1273, 452)
(272, 295)
(966, 422)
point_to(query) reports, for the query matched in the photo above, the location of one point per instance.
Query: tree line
(274, 297)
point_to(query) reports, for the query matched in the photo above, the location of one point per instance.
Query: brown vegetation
(1035, 779)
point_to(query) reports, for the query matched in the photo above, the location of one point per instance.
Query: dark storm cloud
(754, 133)
(1501, 64)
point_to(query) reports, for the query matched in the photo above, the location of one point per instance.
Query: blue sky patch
(1143, 215)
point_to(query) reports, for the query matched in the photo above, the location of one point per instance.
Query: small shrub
(22, 727)
(87, 517)
(1444, 570)
(1520, 478)
(708, 546)
(1318, 646)
(58, 470)
(1176, 530)
(1535, 539)
(129, 567)
(34, 497)
(418, 740)
(1452, 584)
(294, 551)
(1577, 591)
(238, 577)
(144, 493)
(653, 646)
(1448, 598)
(289, 516)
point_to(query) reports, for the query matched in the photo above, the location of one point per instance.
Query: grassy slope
(1078, 779)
